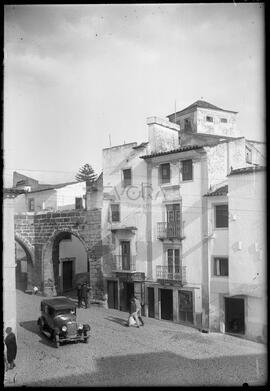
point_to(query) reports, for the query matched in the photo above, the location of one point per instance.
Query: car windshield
(65, 312)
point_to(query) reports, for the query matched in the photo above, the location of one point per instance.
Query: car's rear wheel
(85, 338)
(40, 325)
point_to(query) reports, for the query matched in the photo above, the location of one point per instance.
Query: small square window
(221, 216)
(31, 205)
(187, 170)
(115, 210)
(165, 173)
(78, 203)
(127, 177)
(209, 119)
(248, 155)
(187, 124)
(223, 120)
(221, 267)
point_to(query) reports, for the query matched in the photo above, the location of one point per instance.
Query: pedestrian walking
(79, 294)
(11, 345)
(139, 310)
(35, 290)
(133, 315)
(85, 290)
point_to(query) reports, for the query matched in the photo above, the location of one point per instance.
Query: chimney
(163, 135)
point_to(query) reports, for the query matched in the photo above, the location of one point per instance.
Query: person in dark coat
(11, 345)
(85, 290)
(79, 294)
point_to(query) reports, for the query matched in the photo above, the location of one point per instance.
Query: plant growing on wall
(87, 174)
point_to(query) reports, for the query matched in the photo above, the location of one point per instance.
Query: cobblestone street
(160, 353)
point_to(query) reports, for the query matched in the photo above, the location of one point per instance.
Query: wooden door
(173, 220)
(125, 247)
(112, 294)
(151, 302)
(234, 315)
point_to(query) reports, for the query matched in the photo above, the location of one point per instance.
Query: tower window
(165, 173)
(209, 119)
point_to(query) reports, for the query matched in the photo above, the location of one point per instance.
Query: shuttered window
(221, 267)
(187, 170)
(221, 216)
(115, 210)
(127, 177)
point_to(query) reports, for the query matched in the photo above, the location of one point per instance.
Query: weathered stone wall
(40, 230)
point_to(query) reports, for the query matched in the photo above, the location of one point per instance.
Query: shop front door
(166, 299)
(112, 294)
(234, 315)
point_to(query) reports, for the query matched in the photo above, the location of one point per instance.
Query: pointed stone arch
(27, 246)
(29, 251)
(49, 274)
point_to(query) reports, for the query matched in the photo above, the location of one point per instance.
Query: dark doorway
(185, 306)
(21, 276)
(234, 315)
(166, 298)
(151, 302)
(126, 292)
(112, 294)
(67, 275)
(125, 246)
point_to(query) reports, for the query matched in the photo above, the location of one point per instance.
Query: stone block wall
(41, 229)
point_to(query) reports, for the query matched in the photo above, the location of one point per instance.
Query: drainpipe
(205, 251)
(149, 220)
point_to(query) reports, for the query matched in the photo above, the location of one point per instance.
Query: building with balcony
(165, 215)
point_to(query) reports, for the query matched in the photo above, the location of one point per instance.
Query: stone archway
(29, 252)
(52, 282)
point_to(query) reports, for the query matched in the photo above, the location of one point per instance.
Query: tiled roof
(181, 149)
(247, 170)
(202, 104)
(52, 187)
(11, 191)
(223, 190)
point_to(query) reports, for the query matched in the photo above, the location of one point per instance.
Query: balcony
(169, 231)
(123, 263)
(168, 273)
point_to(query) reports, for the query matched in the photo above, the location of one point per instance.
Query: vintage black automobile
(58, 321)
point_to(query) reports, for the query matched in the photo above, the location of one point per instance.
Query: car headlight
(80, 326)
(64, 328)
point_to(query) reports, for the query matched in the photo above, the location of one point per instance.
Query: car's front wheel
(57, 341)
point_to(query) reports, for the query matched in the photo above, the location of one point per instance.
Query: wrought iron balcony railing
(169, 230)
(169, 273)
(124, 263)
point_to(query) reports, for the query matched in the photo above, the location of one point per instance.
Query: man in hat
(79, 294)
(11, 345)
(85, 290)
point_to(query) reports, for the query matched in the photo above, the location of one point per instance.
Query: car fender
(41, 321)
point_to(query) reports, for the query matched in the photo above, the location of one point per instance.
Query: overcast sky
(76, 74)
